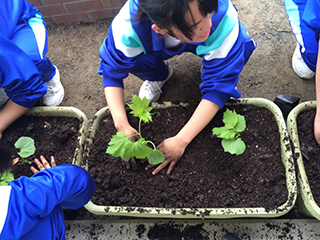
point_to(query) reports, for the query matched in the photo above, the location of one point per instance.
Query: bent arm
(9, 114)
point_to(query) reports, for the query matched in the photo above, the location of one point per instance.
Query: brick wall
(66, 11)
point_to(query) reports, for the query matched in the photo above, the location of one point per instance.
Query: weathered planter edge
(306, 202)
(66, 112)
(223, 213)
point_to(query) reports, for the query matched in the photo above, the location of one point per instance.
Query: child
(304, 18)
(31, 208)
(147, 32)
(26, 74)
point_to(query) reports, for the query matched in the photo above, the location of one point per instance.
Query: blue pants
(305, 36)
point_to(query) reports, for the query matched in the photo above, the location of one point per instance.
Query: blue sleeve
(311, 16)
(33, 199)
(114, 65)
(19, 76)
(220, 75)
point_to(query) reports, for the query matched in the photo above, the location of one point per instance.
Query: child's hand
(172, 150)
(130, 131)
(44, 164)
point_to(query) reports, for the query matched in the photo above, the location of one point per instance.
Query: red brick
(35, 2)
(67, 18)
(52, 10)
(83, 6)
(48, 20)
(103, 14)
(112, 3)
(49, 2)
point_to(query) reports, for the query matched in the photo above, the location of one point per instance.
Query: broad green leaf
(233, 146)
(241, 124)
(6, 178)
(118, 144)
(223, 132)
(26, 146)
(230, 118)
(140, 108)
(155, 157)
(139, 149)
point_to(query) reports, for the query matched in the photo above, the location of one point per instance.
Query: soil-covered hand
(43, 164)
(317, 128)
(130, 131)
(172, 150)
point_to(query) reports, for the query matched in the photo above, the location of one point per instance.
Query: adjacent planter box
(153, 212)
(47, 127)
(306, 202)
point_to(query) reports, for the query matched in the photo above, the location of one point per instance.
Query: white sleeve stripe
(4, 203)
(226, 46)
(120, 26)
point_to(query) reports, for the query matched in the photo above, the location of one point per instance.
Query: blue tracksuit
(24, 69)
(304, 18)
(31, 208)
(133, 47)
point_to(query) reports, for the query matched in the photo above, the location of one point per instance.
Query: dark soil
(53, 136)
(310, 151)
(206, 176)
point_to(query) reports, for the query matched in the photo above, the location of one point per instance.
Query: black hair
(168, 13)
(5, 157)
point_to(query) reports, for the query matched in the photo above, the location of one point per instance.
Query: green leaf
(139, 149)
(140, 108)
(233, 146)
(230, 118)
(26, 146)
(223, 132)
(118, 145)
(156, 157)
(6, 177)
(241, 124)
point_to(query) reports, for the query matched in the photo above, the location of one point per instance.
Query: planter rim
(66, 111)
(307, 204)
(226, 213)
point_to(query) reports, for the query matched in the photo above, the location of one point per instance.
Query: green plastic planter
(306, 202)
(66, 112)
(216, 213)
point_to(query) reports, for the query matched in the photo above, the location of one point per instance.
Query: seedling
(121, 146)
(233, 124)
(26, 149)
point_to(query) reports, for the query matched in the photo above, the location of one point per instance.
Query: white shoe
(299, 66)
(55, 93)
(152, 89)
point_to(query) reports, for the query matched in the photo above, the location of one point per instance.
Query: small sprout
(230, 132)
(26, 147)
(121, 146)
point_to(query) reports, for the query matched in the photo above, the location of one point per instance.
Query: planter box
(306, 202)
(153, 212)
(24, 128)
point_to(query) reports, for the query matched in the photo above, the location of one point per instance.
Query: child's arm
(174, 147)
(9, 114)
(317, 118)
(114, 97)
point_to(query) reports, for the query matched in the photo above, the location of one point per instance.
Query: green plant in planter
(121, 146)
(26, 149)
(233, 124)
